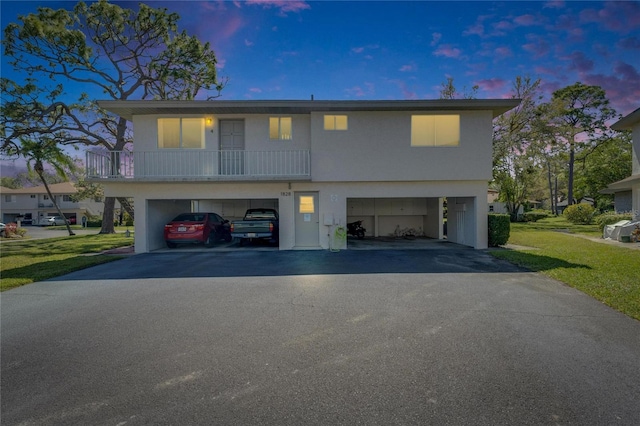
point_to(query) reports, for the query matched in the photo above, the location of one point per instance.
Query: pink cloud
(554, 4)
(359, 91)
(285, 6)
(406, 92)
(579, 62)
(503, 52)
(361, 49)
(491, 85)
(435, 38)
(502, 26)
(622, 87)
(408, 68)
(447, 51)
(546, 70)
(537, 46)
(526, 20)
(617, 16)
(632, 43)
(477, 29)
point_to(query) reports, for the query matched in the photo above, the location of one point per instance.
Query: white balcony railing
(221, 165)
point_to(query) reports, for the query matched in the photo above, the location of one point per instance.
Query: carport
(388, 218)
(159, 212)
(397, 217)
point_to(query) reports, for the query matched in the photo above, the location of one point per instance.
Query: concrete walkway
(383, 337)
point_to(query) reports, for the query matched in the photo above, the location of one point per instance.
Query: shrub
(11, 230)
(535, 215)
(94, 223)
(579, 214)
(610, 218)
(499, 229)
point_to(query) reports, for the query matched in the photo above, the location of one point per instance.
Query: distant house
(627, 191)
(321, 164)
(32, 205)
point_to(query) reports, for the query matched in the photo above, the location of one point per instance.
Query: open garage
(160, 212)
(397, 217)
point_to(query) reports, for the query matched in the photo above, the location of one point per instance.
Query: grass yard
(24, 262)
(610, 274)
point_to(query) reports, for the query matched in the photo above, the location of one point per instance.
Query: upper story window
(67, 198)
(280, 128)
(435, 130)
(8, 198)
(185, 133)
(32, 196)
(335, 122)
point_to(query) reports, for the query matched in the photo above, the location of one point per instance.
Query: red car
(189, 228)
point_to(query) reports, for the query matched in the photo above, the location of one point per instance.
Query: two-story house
(31, 206)
(627, 191)
(321, 164)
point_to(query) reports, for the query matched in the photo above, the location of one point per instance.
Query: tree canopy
(108, 52)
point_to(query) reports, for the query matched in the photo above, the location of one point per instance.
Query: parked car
(257, 224)
(55, 220)
(2, 229)
(190, 228)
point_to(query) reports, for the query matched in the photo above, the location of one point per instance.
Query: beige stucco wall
(256, 132)
(377, 147)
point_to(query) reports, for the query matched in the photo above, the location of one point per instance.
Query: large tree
(106, 52)
(575, 120)
(608, 163)
(514, 151)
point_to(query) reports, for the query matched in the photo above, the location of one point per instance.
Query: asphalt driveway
(289, 338)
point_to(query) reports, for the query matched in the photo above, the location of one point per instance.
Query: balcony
(199, 165)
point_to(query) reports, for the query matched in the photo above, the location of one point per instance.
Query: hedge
(499, 229)
(534, 215)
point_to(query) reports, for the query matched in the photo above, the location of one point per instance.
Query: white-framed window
(32, 196)
(46, 197)
(67, 198)
(336, 122)
(181, 133)
(280, 128)
(435, 130)
(8, 198)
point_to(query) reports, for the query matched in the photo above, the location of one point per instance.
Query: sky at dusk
(351, 50)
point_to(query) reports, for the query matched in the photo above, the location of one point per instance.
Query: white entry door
(307, 219)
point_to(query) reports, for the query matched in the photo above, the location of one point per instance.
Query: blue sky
(276, 49)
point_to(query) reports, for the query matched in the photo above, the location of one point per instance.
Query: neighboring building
(500, 207)
(322, 164)
(627, 191)
(32, 205)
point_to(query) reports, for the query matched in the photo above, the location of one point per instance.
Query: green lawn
(610, 274)
(24, 262)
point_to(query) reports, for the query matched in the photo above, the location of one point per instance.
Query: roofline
(127, 109)
(622, 185)
(627, 122)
